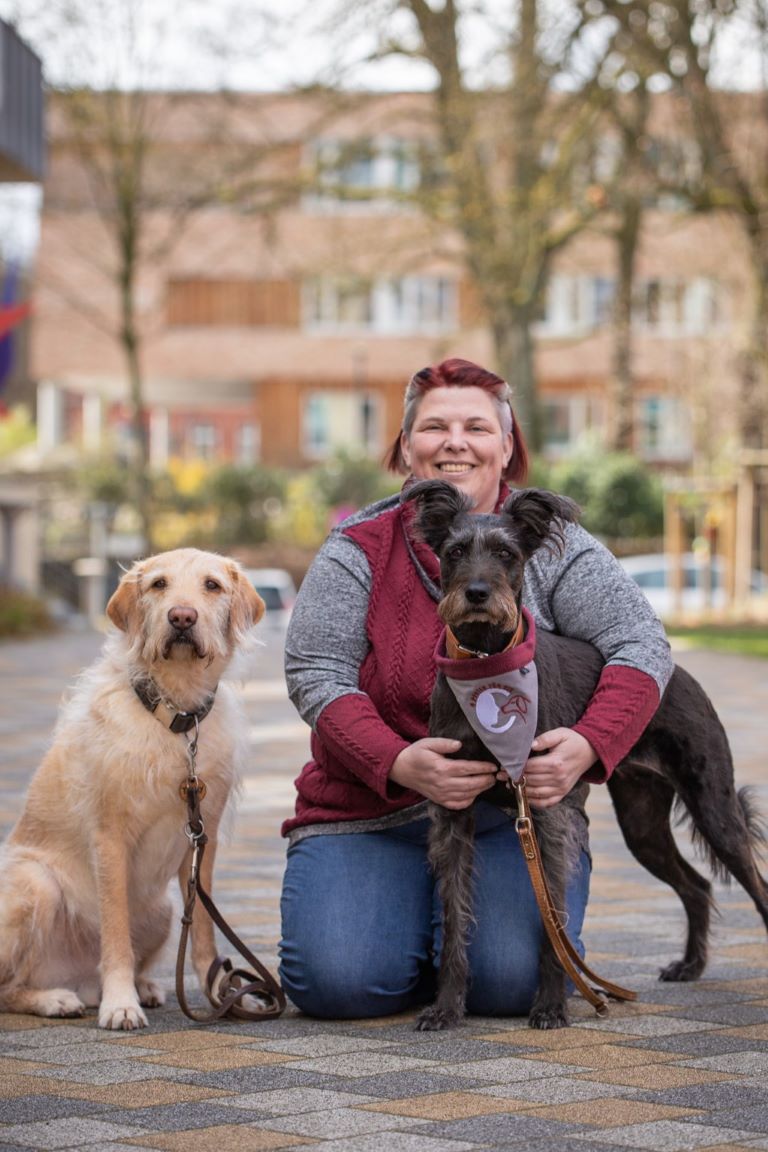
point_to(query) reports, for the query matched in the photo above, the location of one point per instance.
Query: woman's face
(457, 436)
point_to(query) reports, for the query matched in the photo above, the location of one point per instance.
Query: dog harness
(499, 695)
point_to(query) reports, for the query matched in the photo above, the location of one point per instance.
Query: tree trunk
(621, 405)
(753, 374)
(513, 344)
(140, 461)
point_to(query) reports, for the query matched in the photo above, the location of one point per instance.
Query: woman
(361, 932)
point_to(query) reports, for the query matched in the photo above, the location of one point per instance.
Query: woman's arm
(586, 594)
(325, 647)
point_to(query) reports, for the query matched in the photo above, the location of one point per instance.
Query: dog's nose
(477, 593)
(182, 617)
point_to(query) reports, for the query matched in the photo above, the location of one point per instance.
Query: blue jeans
(361, 922)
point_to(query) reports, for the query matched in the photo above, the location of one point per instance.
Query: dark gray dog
(683, 758)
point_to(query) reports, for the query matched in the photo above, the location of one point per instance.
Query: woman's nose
(454, 437)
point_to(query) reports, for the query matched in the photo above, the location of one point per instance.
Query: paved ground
(684, 1068)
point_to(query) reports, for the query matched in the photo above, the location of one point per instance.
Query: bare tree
(509, 147)
(116, 149)
(680, 39)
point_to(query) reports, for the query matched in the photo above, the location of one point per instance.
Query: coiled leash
(225, 986)
(569, 958)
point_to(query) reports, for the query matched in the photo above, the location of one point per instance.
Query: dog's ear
(247, 607)
(539, 518)
(438, 504)
(122, 605)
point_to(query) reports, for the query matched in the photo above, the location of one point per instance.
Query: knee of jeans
(339, 987)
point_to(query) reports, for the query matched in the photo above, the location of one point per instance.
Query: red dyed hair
(457, 373)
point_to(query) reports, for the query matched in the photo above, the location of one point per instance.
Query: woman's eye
(212, 586)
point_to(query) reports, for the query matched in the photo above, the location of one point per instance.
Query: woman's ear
(405, 450)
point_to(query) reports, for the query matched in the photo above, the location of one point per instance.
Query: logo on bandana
(497, 708)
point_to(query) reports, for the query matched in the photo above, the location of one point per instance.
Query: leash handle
(233, 984)
(570, 960)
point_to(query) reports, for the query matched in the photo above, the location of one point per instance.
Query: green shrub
(22, 614)
(619, 496)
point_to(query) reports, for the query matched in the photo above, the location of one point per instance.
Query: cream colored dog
(84, 902)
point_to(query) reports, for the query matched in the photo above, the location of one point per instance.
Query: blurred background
(228, 238)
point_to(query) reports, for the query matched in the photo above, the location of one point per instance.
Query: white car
(653, 573)
(277, 590)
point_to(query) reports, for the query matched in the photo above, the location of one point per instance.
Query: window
(672, 307)
(566, 420)
(356, 175)
(332, 421)
(247, 443)
(576, 304)
(202, 441)
(664, 428)
(410, 304)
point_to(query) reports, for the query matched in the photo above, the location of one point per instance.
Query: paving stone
(686, 1066)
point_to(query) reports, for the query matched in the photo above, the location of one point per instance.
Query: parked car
(653, 573)
(277, 590)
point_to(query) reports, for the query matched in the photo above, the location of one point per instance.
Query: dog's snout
(182, 617)
(477, 592)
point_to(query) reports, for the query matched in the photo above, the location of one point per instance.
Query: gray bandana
(499, 697)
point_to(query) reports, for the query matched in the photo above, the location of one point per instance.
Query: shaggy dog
(84, 902)
(682, 759)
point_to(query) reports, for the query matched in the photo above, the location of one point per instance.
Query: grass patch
(741, 639)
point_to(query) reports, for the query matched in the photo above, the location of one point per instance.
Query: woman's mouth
(454, 469)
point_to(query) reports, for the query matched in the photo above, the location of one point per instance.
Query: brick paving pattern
(686, 1067)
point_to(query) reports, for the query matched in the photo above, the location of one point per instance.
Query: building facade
(283, 320)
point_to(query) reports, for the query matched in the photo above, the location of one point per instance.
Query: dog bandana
(499, 696)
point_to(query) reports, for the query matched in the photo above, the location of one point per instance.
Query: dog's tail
(755, 825)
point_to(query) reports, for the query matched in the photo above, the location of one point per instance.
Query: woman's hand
(566, 757)
(425, 768)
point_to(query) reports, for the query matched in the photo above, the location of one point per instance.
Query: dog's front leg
(451, 853)
(119, 1008)
(549, 1009)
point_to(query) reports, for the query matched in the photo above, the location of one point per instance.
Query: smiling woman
(359, 903)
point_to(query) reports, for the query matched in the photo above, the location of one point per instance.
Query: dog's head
(185, 605)
(482, 557)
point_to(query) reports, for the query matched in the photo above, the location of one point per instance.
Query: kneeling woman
(360, 916)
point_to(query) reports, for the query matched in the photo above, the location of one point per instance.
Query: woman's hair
(462, 374)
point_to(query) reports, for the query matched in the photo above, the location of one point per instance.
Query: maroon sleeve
(354, 732)
(621, 708)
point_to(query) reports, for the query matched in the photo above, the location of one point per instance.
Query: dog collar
(456, 651)
(173, 718)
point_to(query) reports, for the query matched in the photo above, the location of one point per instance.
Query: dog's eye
(456, 552)
(159, 584)
(503, 553)
(212, 585)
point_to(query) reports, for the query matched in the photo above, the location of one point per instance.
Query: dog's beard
(183, 644)
(500, 612)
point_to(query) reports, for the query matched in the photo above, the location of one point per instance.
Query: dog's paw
(434, 1019)
(150, 995)
(60, 1002)
(682, 971)
(123, 1018)
(548, 1016)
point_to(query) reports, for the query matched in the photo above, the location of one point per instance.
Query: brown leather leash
(225, 985)
(567, 955)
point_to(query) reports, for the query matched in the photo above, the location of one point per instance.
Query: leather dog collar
(173, 718)
(456, 651)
